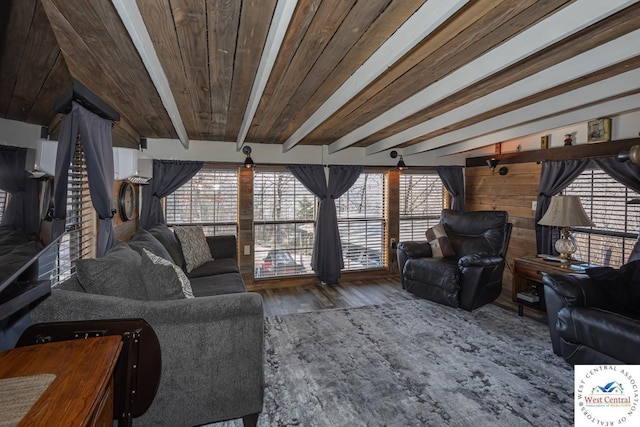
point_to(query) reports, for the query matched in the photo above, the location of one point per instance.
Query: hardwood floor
(347, 294)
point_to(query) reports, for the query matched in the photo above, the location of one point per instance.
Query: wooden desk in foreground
(81, 394)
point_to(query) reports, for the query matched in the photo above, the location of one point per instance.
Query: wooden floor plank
(347, 294)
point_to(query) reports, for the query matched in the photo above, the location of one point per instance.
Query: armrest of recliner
(479, 260)
(609, 333)
(411, 250)
(566, 290)
(574, 289)
(415, 249)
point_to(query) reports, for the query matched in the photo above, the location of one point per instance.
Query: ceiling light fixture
(400, 165)
(248, 162)
(492, 163)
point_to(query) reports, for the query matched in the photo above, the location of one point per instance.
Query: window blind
(284, 224)
(361, 222)
(209, 199)
(421, 202)
(3, 203)
(79, 240)
(617, 222)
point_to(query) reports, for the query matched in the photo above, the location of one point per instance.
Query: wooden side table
(527, 278)
(81, 394)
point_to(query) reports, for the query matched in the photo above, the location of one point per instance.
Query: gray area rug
(413, 363)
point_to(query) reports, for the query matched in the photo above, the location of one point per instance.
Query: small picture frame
(599, 130)
(544, 142)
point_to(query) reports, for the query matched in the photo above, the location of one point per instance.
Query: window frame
(210, 227)
(431, 218)
(302, 247)
(588, 237)
(371, 256)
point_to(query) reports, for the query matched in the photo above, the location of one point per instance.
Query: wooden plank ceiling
(463, 68)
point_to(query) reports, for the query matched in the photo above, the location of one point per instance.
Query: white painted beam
(279, 24)
(608, 108)
(133, 22)
(422, 23)
(557, 27)
(574, 99)
(611, 53)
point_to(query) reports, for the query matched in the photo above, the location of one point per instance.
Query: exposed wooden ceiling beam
(564, 23)
(422, 23)
(279, 24)
(132, 20)
(554, 112)
(616, 51)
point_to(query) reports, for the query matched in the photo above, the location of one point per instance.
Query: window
(209, 199)
(616, 222)
(3, 203)
(422, 199)
(79, 241)
(284, 217)
(361, 221)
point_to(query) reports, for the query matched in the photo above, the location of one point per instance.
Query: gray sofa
(211, 345)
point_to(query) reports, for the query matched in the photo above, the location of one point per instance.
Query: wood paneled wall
(514, 192)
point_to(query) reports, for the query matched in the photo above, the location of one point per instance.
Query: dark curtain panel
(326, 260)
(22, 210)
(66, 147)
(554, 177)
(95, 133)
(168, 176)
(314, 180)
(453, 179)
(626, 173)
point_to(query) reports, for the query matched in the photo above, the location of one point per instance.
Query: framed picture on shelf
(544, 142)
(599, 130)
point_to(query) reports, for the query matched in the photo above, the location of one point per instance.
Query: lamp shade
(565, 211)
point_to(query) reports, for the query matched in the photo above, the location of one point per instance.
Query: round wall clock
(126, 201)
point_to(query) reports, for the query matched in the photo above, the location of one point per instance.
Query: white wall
(18, 134)
(272, 154)
(622, 127)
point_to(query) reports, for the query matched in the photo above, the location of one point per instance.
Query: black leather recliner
(586, 328)
(471, 278)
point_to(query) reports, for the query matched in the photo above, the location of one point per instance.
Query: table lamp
(565, 212)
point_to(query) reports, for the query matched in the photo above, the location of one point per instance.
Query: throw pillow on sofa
(439, 241)
(163, 279)
(142, 239)
(115, 274)
(170, 241)
(194, 246)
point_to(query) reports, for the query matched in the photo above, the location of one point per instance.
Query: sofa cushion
(116, 274)
(215, 267)
(168, 238)
(439, 241)
(194, 246)
(145, 240)
(228, 283)
(71, 284)
(163, 279)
